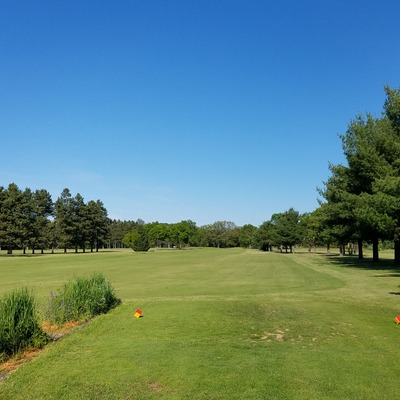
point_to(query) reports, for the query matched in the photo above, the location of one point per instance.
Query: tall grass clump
(19, 323)
(81, 299)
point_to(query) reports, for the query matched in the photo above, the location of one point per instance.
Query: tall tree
(247, 236)
(80, 223)
(14, 217)
(265, 236)
(286, 232)
(369, 184)
(42, 210)
(64, 218)
(338, 212)
(97, 224)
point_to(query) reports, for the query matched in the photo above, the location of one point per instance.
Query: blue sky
(203, 110)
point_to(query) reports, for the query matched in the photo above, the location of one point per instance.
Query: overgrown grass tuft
(81, 299)
(19, 324)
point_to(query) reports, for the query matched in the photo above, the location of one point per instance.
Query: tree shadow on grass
(48, 253)
(386, 268)
(393, 270)
(23, 255)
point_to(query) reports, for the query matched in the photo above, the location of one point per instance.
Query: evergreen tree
(64, 218)
(286, 232)
(42, 210)
(14, 217)
(137, 239)
(98, 224)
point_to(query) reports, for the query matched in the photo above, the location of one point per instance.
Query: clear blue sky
(205, 110)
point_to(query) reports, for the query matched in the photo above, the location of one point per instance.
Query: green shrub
(137, 239)
(19, 323)
(81, 299)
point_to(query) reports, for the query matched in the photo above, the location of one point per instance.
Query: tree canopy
(362, 197)
(30, 219)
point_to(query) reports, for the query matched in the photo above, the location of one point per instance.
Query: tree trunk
(328, 249)
(375, 249)
(360, 249)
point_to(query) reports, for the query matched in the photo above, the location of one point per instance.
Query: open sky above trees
(198, 110)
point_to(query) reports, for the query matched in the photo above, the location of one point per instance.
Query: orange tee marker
(138, 313)
(397, 319)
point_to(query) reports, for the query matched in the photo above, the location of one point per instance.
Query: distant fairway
(218, 324)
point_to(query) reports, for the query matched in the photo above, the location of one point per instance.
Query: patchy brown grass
(55, 332)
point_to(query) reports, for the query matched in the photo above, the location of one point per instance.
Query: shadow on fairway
(24, 255)
(56, 253)
(369, 264)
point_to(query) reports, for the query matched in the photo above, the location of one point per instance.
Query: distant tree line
(282, 232)
(31, 220)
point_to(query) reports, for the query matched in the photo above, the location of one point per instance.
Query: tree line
(360, 204)
(30, 219)
(283, 231)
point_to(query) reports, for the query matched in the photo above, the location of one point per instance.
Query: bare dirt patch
(12, 364)
(278, 336)
(54, 332)
(154, 387)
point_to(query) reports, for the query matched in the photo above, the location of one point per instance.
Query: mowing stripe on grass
(222, 324)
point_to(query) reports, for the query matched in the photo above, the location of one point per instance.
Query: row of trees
(360, 204)
(30, 219)
(283, 231)
(186, 233)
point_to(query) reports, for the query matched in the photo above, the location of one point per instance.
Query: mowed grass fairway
(218, 324)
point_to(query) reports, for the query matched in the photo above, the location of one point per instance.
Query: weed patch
(81, 299)
(19, 324)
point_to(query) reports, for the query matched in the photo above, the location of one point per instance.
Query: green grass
(218, 324)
